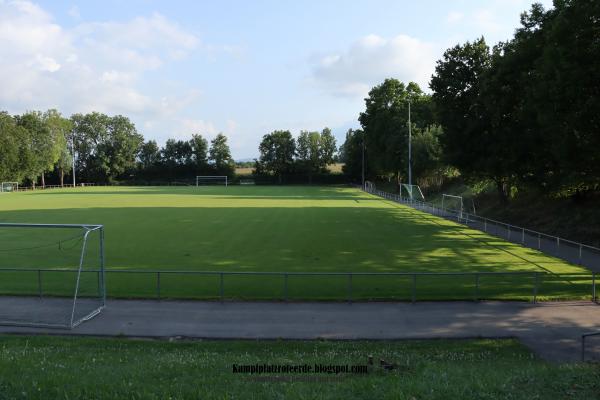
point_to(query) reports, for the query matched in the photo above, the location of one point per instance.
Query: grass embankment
(81, 368)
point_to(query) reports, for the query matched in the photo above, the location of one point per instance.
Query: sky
(243, 68)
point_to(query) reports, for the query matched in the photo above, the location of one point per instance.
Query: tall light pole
(363, 160)
(409, 149)
(73, 151)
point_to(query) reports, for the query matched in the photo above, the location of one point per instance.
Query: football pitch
(272, 230)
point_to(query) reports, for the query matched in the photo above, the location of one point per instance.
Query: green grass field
(268, 229)
(81, 368)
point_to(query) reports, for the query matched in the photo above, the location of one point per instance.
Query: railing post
(485, 225)
(523, 235)
(508, 227)
(594, 287)
(221, 287)
(350, 287)
(535, 287)
(580, 253)
(557, 245)
(539, 241)
(476, 287)
(40, 283)
(158, 285)
(285, 286)
(414, 288)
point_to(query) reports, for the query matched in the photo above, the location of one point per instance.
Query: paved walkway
(552, 330)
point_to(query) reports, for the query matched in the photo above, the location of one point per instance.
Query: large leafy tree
(351, 153)
(315, 150)
(60, 129)
(15, 149)
(277, 151)
(385, 124)
(199, 147)
(43, 144)
(220, 155)
(149, 154)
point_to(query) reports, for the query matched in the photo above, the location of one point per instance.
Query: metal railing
(583, 337)
(568, 250)
(418, 286)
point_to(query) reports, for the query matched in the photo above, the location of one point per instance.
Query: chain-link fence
(568, 250)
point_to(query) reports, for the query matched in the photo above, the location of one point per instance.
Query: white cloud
(74, 12)
(370, 60)
(454, 17)
(94, 66)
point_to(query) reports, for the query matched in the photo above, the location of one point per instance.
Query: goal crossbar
(211, 178)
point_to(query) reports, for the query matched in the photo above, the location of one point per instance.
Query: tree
(351, 153)
(15, 150)
(315, 151)
(43, 147)
(149, 154)
(468, 141)
(199, 147)
(385, 124)
(60, 129)
(220, 155)
(277, 151)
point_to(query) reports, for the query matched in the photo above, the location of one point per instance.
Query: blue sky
(243, 68)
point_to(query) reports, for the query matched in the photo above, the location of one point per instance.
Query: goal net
(9, 187)
(411, 192)
(211, 180)
(453, 206)
(51, 275)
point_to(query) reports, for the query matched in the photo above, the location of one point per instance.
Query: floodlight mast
(73, 151)
(409, 148)
(363, 160)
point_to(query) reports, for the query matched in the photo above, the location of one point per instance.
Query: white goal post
(51, 275)
(412, 192)
(453, 204)
(9, 187)
(211, 180)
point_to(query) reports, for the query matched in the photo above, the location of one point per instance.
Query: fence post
(539, 241)
(485, 225)
(557, 245)
(594, 287)
(40, 283)
(582, 348)
(414, 288)
(221, 287)
(580, 253)
(523, 235)
(350, 287)
(535, 287)
(508, 227)
(158, 285)
(476, 287)
(285, 286)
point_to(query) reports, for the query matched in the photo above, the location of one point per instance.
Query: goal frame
(410, 189)
(72, 321)
(212, 178)
(459, 213)
(15, 187)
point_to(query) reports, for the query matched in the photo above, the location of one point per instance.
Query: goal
(9, 187)
(411, 192)
(51, 275)
(369, 186)
(211, 180)
(453, 206)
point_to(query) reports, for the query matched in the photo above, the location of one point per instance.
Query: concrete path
(552, 330)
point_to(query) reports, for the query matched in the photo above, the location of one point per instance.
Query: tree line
(37, 146)
(523, 114)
